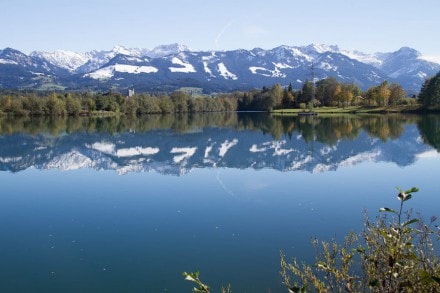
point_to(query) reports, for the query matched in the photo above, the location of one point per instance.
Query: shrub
(394, 254)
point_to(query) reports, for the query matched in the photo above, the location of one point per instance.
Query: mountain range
(170, 67)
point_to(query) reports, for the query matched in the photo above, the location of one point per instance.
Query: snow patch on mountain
(276, 146)
(255, 69)
(102, 74)
(109, 71)
(207, 70)
(186, 153)
(266, 72)
(103, 147)
(300, 55)
(282, 65)
(226, 146)
(207, 151)
(136, 151)
(4, 61)
(422, 75)
(225, 73)
(186, 67)
(10, 159)
(327, 66)
(278, 150)
(135, 69)
(296, 165)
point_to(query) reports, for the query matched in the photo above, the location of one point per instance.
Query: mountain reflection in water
(176, 144)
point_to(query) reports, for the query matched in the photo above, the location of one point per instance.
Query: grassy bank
(355, 110)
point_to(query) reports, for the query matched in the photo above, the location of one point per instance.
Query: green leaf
(410, 222)
(414, 189)
(189, 277)
(408, 197)
(387, 210)
(437, 279)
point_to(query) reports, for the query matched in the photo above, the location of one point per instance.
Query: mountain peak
(407, 51)
(62, 58)
(164, 50)
(118, 49)
(321, 48)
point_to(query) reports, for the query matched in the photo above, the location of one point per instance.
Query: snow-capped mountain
(97, 59)
(164, 50)
(172, 66)
(64, 59)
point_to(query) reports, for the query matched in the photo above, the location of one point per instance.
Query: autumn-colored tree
(383, 94)
(397, 93)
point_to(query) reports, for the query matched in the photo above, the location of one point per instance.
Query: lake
(128, 204)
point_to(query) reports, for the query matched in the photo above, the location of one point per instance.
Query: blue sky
(79, 25)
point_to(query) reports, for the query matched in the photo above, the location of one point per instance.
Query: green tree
(34, 105)
(430, 93)
(307, 92)
(73, 105)
(371, 96)
(325, 91)
(180, 101)
(88, 104)
(55, 106)
(166, 105)
(6, 103)
(131, 106)
(288, 98)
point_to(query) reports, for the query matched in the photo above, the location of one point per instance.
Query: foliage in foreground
(394, 254)
(202, 287)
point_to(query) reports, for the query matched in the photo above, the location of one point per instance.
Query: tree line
(325, 92)
(74, 104)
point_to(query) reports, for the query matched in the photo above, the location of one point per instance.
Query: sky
(85, 25)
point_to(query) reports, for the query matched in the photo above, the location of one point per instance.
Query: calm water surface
(127, 205)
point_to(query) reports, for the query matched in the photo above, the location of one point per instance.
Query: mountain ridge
(173, 66)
